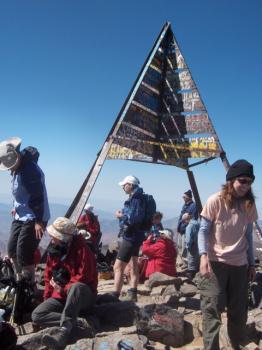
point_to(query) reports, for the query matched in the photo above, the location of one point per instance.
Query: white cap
(8, 153)
(89, 207)
(167, 232)
(130, 179)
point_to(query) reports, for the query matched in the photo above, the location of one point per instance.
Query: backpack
(150, 209)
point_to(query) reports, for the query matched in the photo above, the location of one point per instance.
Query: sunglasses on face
(245, 181)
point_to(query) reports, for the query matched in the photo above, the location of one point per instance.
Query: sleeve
(204, 230)
(151, 250)
(210, 208)
(193, 211)
(137, 212)
(31, 177)
(85, 270)
(250, 251)
(189, 240)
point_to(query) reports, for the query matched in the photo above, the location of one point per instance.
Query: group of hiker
(219, 246)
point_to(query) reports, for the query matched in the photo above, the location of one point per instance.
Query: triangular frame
(163, 137)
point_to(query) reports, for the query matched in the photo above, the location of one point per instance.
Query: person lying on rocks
(70, 283)
(161, 253)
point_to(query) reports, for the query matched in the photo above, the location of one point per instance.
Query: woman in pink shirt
(226, 255)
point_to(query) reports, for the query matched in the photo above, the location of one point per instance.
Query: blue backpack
(150, 209)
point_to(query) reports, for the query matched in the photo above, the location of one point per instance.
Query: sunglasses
(245, 181)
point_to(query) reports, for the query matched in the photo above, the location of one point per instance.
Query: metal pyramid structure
(163, 120)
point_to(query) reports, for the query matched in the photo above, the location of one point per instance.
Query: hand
(118, 214)
(13, 212)
(56, 286)
(39, 230)
(251, 273)
(204, 268)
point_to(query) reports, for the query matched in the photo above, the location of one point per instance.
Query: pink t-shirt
(227, 240)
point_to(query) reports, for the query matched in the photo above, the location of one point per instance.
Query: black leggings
(22, 242)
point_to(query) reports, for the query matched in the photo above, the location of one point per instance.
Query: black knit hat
(240, 168)
(188, 193)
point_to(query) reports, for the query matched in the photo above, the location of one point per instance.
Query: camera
(61, 276)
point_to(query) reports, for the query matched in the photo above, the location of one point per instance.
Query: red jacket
(161, 256)
(81, 264)
(91, 224)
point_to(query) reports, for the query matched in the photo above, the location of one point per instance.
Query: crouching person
(70, 283)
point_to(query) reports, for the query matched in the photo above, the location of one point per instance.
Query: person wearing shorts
(130, 220)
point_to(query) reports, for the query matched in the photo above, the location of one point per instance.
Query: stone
(161, 323)
(158, 278)
(188, 290)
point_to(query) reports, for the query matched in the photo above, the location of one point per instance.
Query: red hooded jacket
(81, 264)
(161, 256)
(91, 224)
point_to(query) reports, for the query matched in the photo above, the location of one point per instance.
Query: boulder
(161, 323)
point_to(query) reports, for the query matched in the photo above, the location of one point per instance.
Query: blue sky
(66, 68)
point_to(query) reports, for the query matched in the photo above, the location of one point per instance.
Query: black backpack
(150, 209)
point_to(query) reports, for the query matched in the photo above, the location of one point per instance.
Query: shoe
(131, 296)
(56, 340)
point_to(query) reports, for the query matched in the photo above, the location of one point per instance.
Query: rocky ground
(166, 316)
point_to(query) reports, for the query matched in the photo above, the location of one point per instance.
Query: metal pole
(193, 185)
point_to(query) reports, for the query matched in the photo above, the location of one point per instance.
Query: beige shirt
(227, 240)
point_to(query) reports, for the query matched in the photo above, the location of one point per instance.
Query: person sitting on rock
(161, 253)
(192, 228)
(70, 283)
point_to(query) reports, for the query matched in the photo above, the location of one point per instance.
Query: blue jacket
(29, 191)
(192, 235)
(191, 209)
(133, 216)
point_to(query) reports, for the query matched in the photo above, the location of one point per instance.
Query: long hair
(228, 195)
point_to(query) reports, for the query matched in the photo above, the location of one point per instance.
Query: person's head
(10, 154)
(89, 208)
(187, 196)
(167, 233)
(186, 218)
(129, 183)
(157, 217)
(62, 231)
(239, 177)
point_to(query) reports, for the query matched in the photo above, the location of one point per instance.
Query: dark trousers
(226, 287)
(22, 242)
(55, 312)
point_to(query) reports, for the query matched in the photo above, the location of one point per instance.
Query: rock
(121, 314)
(158, 279)
(188, 290)
(161, 323)
(251, 346)
(157, 291)
(111, 342)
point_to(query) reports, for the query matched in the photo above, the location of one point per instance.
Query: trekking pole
(13, 309)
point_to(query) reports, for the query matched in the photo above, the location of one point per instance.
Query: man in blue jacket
(30, 204)
(190, 208)
(130, 220)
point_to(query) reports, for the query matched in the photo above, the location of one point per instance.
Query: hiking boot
(56, 340)
(131, 295)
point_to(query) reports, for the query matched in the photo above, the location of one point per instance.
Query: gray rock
(161, 323)
(188, 290)
(158, 279)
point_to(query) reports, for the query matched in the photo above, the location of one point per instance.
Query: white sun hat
(62, 229)
(168, 233)
(130, 179)
(9, 152)
(89, 207)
